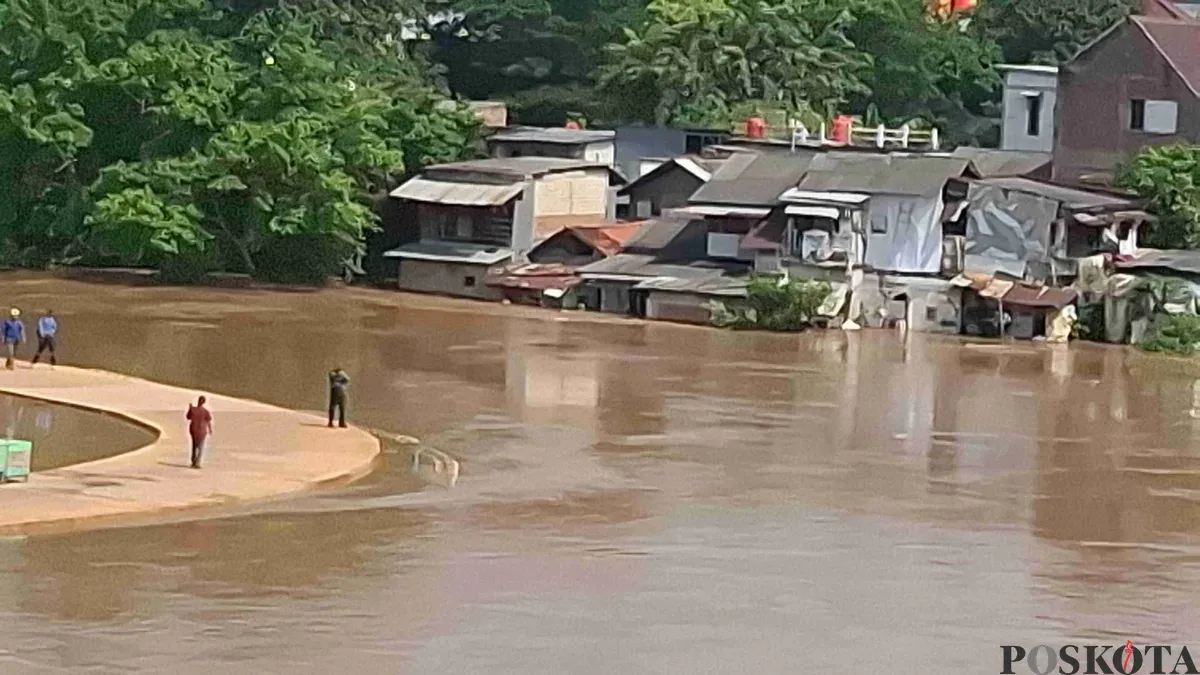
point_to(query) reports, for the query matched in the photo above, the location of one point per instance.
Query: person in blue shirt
(13, 331)
(47, 329)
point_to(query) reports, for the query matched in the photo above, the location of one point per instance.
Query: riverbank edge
(275, 453)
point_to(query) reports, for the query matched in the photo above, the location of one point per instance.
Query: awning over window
(814, 211)
(457, 194)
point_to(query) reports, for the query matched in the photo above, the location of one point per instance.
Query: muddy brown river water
(634, 498)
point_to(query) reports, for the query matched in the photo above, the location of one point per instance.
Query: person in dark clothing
(199, 428)
(338, 381)
(47, 332)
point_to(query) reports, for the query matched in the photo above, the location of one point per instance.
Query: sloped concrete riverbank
(257, 452)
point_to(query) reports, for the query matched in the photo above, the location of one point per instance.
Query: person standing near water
(199, 428)
(47, 329)
(338, 381)
(13, 331)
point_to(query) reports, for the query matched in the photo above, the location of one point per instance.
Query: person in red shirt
(200, 427)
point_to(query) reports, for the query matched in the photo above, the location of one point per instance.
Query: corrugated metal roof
(558, 135)
(459, 194)
(1070, 198)
(753, 179)
(719, 286)
(533, 277)
(1179, 43)
(1022, 295)
(991, 163)
(631, 265)
(515, 168)
(702, 210)
(883, 174)
(1187, 262)
(660, 233)
(451, 251)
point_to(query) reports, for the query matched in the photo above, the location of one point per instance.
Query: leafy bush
(773, 304)
(1090, 325)
(1168, 178)
(1173, 334)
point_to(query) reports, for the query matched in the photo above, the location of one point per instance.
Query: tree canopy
(196, 135)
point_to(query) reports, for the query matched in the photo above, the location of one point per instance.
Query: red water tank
(963, 5)
(841, 129)
(756, 127)
(572, 124)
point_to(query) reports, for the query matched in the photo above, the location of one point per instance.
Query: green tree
(195, 136)
(538, 55)
(693, 63)
(923, 69)
(1168, 179)
(1046, 31)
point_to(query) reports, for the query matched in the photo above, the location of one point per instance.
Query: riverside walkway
(257, 452)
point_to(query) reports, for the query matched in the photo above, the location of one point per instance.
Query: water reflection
(63, 435)
(635, 495)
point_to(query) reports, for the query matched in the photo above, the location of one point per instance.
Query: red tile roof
(1179, 43)
(608, 238)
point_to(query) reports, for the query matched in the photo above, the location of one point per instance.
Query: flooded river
(63, 435)
(634, 498)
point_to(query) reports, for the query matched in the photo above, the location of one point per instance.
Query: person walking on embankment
(199, 428)
(13, 332)
(47, 331)
(338, 381)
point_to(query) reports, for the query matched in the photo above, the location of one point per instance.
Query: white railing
(880, 136)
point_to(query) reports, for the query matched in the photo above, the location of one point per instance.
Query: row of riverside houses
(939, 239)
(968, 241)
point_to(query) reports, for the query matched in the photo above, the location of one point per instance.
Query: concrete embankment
(257, 452)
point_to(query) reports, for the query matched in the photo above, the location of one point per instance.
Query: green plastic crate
(17, 456)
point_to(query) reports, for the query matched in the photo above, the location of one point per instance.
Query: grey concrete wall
(445, 278)
(635, 143)
(1013, 131)
(681, 307)
(523, 222)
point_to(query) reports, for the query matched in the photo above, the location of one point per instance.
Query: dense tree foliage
(1046, 31)
(1168, 179)
(194, 135)
(538, 55)
(691, 63)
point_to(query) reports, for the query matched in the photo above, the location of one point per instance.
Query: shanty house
(588, 145)
(884, 212)
(1136, 85)
(1027, 229)
(670, 247)
(743, 192)
(668, 185)
(549, 278)
(477, 214)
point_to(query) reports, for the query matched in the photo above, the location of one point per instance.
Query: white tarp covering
(904, 234)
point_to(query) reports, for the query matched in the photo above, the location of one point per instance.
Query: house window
(1161, 117)
(931, 314)
(693, 143)
(469, 282)
(1033, 115)
(644, 208)
(878, 223)
(1137, 114)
